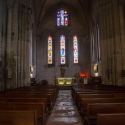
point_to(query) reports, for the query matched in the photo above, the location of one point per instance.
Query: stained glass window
(75, 49)
(62, 18)
(62, 49)
(49, 50)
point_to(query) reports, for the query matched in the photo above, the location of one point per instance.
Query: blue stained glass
(58, 21)
(62, 49)
(62, 18)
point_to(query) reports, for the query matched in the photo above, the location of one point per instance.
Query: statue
(62, 71)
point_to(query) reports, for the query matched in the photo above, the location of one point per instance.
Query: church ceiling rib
(42, 5)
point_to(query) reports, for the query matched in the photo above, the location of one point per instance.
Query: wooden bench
(93, 109)
(33, 100)
(93, 96)
(17, 117)
(31, 106)
(47, 95)
(111, 119)
(119, 94)
(40, 107)
(85, 101)
(20, 95)
(5, 105)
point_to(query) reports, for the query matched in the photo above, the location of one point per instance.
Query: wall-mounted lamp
(31, 69)
(96, 68)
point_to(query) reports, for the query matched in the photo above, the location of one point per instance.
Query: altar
(65, 81)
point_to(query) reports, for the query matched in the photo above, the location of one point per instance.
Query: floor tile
(64, 110)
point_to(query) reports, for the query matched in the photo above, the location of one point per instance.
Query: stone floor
(64, 111)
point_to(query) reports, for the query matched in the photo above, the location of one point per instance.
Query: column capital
(10, 4)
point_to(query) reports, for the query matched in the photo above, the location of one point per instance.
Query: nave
(64, 110)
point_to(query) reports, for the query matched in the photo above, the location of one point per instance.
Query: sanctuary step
(64, 110)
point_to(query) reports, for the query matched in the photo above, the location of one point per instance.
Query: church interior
(62, 62)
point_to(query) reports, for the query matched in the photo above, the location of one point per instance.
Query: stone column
(70, 58)
(27, 47)
(23, 47)
(19, 45)
(95, 43)
(33, 46)
(102, 24)
(9, 40)
(57, 55)
(111, 48)
(14, 44)
(122, 34)
(3, 44)
(117, 41)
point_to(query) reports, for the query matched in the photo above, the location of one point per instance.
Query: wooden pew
(119, 94)
(93, 96)
(93, 109)
(48, 96)
(33, 100)
(17, 117)
(85, 101)
(5, 105)
(26, 95)
(2, 99)
(40, 107)
(111, 119)
(31, 106)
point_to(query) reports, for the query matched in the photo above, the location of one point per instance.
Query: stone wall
(47, 27)
(15, 41)
(110, 17)
(3, 21)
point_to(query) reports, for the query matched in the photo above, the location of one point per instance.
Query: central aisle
(64, 111)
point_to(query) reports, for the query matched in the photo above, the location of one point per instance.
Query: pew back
(17, 117)
(111, 119)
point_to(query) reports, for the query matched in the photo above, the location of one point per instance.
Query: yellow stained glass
(50, 50)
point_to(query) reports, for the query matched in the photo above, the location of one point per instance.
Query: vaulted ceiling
(84, 10)
(41, 7)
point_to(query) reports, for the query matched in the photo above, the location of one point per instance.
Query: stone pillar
(14, 44)
(57, 55)
(27, 47)
(117, 41)
(23, 47)
(122, 34)
(19, 45)
(70, 51)
(3, 43)
(39, 53)
(9, 40)
(111, 48)
(33, 54)
(102, 24)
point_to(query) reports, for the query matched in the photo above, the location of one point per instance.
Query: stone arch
(47, 33)
(75, 32)
(60, 5)
(61, 31)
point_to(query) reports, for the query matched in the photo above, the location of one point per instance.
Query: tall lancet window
(50, 49)
(75, 49)
(62, 18)
(62, 50)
